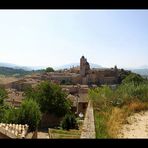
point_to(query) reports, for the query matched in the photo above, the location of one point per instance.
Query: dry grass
(115, 121)
(118, 116)
(5, 80)
(137, 106)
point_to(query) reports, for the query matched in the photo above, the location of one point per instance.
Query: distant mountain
(27, 68)
(67, 66)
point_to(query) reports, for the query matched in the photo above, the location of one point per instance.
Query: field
(5, 79)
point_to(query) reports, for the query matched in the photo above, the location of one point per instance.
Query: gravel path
(136, 127)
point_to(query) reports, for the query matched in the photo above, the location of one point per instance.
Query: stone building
(97, 76)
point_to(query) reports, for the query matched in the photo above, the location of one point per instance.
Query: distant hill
(7, 71)
(26, 68)
(67, 66)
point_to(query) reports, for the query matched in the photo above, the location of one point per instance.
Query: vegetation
(112, 107)
(50, 98)
(3, 95)
(29, 113)
(66, 82)
(69, 122)
(13, 72)
(6, 71)
(46, 97)
(49, 69)
(10, 115)
(64, 134)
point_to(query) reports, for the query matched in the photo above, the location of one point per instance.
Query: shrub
(69, 122)
(10, 115)
(29, 113)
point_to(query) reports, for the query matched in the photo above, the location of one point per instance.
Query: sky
(59, 37)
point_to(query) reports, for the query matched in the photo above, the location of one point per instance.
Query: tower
(84, 66)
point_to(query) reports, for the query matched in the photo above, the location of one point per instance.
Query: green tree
(29, 113)
(134, 78)
(49, 69)
(51, 98)
(3, 95)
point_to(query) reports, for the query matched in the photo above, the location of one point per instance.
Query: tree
(51, 98)
(49, 69)
(3, 95)
(136, 79)
(29, 113)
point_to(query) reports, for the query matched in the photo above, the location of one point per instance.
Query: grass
(63, 134)
(100, 119)
(66, 134)
(108, 122)
(116, 119)
(112, 107)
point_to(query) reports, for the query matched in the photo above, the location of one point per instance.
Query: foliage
(133, 78)
(3, 95)
(66, 82)
(113, 106)
(100, 126)
(13, 72)
(51, 98)
(123, 74)
(3, 109)
(49, 69)
(10, 115)
(69, 122)
(29, 113)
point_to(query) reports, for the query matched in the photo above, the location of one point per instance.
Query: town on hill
(74, 82)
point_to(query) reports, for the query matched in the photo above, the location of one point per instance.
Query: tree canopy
(3, 95)
(29, 113)
(134, 78)
(49, 69)
(50, 98)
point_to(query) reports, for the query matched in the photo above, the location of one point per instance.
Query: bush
(29, 113)
(69, 122)
(10, 115)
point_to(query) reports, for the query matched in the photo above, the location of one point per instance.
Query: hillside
(13, 72)
(6, 71)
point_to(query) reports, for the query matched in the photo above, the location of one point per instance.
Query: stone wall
(88, 129)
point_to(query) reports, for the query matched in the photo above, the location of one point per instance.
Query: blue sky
(57, 37)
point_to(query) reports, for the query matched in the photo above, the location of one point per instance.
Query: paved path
(88, 129)
(43, 135)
